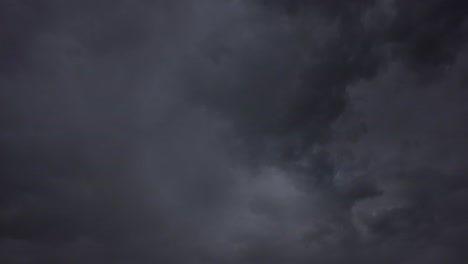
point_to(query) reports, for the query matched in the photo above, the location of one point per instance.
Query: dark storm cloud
(415, 162)
(233, 131)
(294, 85)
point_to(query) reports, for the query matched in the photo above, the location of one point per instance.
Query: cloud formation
(233, 131)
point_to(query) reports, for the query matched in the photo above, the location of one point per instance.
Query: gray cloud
(232, 132)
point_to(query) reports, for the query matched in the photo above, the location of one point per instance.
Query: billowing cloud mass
(262, 131)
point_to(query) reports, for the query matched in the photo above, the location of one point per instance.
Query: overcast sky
(233, 131)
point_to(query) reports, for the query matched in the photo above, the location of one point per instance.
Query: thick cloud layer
(233, 131)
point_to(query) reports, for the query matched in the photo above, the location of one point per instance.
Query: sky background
(233, 132)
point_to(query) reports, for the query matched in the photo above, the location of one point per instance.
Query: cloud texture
(157, 131)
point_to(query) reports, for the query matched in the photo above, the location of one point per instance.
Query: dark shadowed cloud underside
(262, 131)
